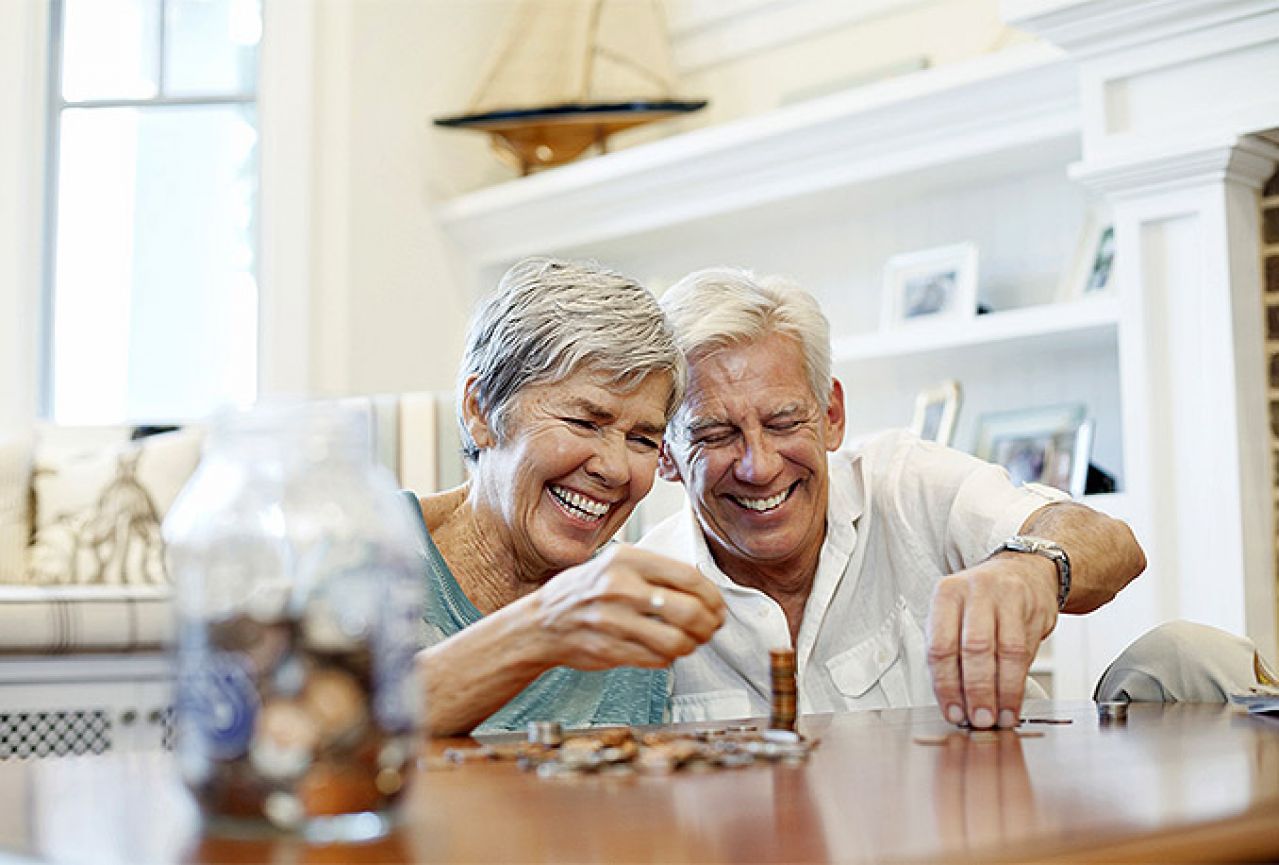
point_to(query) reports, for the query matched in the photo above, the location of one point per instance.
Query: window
(151, 300)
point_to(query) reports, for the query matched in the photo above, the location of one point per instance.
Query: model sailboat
(569, 74)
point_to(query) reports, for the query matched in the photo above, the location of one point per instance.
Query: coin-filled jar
(299, 608)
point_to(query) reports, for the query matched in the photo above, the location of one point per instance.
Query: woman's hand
(625, 607)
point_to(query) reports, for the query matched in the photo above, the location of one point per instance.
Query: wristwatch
(1049, 550)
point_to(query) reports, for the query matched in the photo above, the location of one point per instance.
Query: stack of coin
(781, 666)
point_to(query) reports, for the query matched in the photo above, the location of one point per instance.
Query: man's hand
(984, 630)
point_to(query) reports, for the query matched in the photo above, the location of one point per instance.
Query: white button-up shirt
(902, 514)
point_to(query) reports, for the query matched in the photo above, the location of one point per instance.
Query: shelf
(1042, 325)
(994, 115)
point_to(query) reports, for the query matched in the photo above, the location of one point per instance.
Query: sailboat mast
(592, 43)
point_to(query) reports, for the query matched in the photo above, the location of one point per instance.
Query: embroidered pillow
(98, 513)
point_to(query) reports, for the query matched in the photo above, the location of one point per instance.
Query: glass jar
(299, 600)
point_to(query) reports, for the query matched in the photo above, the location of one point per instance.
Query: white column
(1193, 377)
(23, 45)
(286, 110)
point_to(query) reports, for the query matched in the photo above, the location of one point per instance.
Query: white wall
(22, 107)
(855, 47)
(383, 310)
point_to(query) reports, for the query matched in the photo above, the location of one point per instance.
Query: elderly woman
(570, 375)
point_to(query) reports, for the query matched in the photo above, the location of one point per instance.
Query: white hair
(549, 319)
(725, 306)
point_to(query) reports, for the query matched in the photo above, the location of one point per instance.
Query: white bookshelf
(1072, 325)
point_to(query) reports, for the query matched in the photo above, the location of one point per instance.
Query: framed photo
(1049, 445)
(1093, 269)
(933, 285)
(935, 411)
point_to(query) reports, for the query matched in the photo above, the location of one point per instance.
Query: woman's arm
(475, 672)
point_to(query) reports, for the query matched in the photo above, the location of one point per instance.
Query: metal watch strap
(1050, 550)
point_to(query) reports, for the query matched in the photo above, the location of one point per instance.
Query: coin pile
(622, 751)
(281, 727)
(781, 668)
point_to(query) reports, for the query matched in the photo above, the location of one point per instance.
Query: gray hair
(724, 306)
(549, 319)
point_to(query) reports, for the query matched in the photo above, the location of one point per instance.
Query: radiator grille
(168, 728)
(54, 734)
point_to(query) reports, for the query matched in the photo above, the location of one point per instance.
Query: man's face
(749, 444)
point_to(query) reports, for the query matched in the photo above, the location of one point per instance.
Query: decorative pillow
(98, 512)
(15, 508)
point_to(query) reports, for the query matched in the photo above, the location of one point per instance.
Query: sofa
(86, 623)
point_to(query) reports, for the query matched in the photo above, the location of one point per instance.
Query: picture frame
(931, 285)
(1093, 269)
(936, 409)
(1050, 445)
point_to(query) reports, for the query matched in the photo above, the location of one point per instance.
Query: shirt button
(881, 657)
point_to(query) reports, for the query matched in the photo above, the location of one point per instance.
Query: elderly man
(900, 573)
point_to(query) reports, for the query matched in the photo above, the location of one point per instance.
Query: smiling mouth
(578, 505)
(771, 503)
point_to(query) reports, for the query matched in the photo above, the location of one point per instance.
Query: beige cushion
(98, 510)
(63, 619)
(15, 508)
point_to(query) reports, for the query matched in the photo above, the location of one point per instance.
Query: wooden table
(1182, 782)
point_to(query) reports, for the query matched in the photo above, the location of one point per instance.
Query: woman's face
(576, 458)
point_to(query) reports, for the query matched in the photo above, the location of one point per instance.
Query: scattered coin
(932, 740)
(1115, 712)
(623, 751)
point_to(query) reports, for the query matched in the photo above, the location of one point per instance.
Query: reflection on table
(1193, 783)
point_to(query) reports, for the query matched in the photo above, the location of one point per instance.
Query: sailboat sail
(569, 74)
(573, 52)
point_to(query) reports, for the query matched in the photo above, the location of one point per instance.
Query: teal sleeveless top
(575, 698)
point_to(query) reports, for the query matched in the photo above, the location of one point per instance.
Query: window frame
(56, 104)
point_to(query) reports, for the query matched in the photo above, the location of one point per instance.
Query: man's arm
(987, 621)
(1104, 555)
